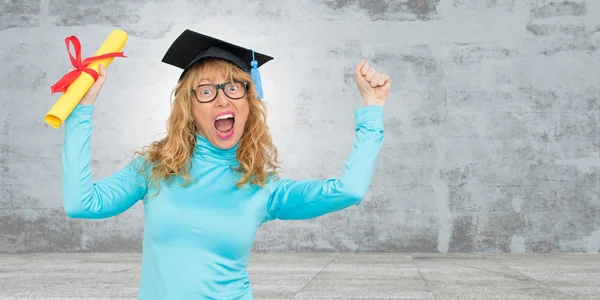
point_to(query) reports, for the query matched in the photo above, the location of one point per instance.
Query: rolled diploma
(65, 104)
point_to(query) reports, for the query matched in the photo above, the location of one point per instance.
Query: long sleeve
(83, 198)
(305, 199)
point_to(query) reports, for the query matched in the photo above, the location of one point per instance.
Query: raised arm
(304, 199)
(82, 197)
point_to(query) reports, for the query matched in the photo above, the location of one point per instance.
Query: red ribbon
(80, 66)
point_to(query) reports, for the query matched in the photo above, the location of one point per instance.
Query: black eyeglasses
(208, 92)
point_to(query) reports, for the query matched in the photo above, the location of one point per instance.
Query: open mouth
(224, 124)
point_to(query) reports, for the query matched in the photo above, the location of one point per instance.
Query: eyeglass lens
(207, 92)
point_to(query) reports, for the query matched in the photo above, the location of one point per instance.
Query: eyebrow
(200, 80)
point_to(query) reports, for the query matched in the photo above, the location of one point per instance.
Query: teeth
(227, 116)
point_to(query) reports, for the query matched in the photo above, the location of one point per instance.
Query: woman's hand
(90, 97)
(373, 86)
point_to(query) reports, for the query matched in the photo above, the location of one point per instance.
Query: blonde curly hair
(170, 156)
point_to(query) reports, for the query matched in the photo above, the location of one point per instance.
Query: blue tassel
(255, 74)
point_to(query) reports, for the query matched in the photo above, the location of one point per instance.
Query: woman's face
(222, 120)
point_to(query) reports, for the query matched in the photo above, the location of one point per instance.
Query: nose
(222, 100)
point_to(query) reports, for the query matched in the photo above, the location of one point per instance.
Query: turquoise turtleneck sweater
(197, 239)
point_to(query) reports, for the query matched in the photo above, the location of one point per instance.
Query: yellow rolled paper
(65, 104)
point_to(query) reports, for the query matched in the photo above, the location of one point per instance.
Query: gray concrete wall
(492, 126)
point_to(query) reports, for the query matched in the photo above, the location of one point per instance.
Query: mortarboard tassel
(256, 77)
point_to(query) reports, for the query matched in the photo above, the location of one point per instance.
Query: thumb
(359, 67)
(101, 74)
(101, 70)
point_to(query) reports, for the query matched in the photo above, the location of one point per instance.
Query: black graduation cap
(190, 47)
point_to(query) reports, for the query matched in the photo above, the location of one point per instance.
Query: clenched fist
(90, 97)
(373, 86)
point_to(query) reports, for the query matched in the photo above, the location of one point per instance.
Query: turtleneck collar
(207, 152)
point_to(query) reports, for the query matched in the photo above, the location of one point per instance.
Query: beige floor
(323, 276)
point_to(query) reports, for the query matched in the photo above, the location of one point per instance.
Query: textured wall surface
(492, 126)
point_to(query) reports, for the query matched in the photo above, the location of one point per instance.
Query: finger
(374, 79)
(101, 73)
(360, 65)
(387, 84)
(382, 80)
(370, 73)
(365, 68)
(101, 78)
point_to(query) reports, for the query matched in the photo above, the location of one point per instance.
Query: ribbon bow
(79, 65)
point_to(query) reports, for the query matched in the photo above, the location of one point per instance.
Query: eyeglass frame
(220, 86)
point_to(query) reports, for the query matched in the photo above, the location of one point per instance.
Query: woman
(212, 181)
